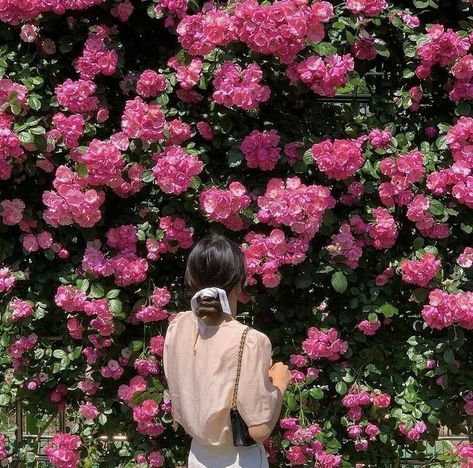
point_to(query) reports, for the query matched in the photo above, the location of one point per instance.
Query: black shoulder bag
(241, 435)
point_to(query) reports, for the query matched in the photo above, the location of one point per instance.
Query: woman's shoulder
(177, 318)
(256, 338)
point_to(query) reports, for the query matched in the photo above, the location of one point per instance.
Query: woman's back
(200, 367)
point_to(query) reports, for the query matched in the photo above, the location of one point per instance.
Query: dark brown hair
(214, 261)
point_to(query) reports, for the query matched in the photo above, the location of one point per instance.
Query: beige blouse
(200, 367)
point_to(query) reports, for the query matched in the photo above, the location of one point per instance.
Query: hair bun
(209, 307)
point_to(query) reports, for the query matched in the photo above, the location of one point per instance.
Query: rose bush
(130, 129)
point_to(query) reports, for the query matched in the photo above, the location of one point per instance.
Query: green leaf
(350, 37)
(116, 308)
(34, 102)
(468, 228)
(4, 399)
(307, 158)
(112, 294)
(183, 57)
(316, 393)
(449, 356)
(83, 284)
(59, 353)
(162, 100)
(388, 310)
(436, 208)
(82, 170)
(102, 419)
(373, 318)
(96, 291)
(324, 49)
(136, 345)
(339, 282)
(147, 176)
(15, 108)
(341, 388)
(382, 50)
(196, 182)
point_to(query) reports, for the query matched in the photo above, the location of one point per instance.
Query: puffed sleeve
(257, 396)
(168, 340)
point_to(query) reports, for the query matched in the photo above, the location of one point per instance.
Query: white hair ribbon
(212, 292)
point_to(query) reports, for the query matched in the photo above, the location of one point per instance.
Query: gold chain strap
(240, 355)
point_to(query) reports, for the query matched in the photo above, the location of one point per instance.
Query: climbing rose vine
(332, 140)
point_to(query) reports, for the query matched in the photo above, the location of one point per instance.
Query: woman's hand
(280, 375)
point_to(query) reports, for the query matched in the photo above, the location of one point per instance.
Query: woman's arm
(280, 375)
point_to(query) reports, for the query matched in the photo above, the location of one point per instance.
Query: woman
(200, 361)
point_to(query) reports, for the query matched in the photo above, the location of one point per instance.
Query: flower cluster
(224, 206)
(144, 121)
(420, 272)
(62, 450)
(201, 33)
(71, 202)
(442, 47)
(380, 138)
(10, 152)
(103, 162)
(384, 231)
(415, 432)
(239, 87)
(305, 446)
(173, 8)
(369, 328)
(446, 309)
(96, 58)
(324, 345)
(338, 159)
(294, 204)
(367, 7)
(69, 128)
(281, 28)
(12, 211)
(155, 312)
(261, 149)
(122, 10)
(403, 172)
(364, 47)
(20, 347)
(323, 75)
(77, 96)
(465, 451)
(88, 411)
(3, 448)
(187, 75)
(359, 427)
(264, 255)
(151, 83)
(346, 247)
(16, 12)
(144, 414)
(418, 212)
(20, 309)
(462, 71)
(175, 168)
(465, 259)
(459, 139)
(174, 235)
(8, 89)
